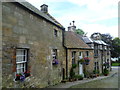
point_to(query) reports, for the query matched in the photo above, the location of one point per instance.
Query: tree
(116, 48)
(80, 32)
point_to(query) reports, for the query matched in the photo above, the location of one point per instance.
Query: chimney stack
(44, 8)
(72, 28)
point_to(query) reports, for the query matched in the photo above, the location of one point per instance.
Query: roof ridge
(46, 16)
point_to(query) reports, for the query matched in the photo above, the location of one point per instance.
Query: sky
(89, 15)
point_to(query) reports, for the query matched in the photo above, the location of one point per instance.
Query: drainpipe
(66, 50)
(66, 63)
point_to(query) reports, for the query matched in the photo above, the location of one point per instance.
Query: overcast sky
(89, 15)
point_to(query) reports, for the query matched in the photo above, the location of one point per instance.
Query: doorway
(81, 69)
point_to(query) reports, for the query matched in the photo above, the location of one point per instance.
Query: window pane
(55, 33)
(20, 52)
(18, 70)
(18, 66)
(54, 54)
(21, 55)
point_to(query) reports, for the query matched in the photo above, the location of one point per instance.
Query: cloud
(45, 1)
(91, 28)
(86, 13)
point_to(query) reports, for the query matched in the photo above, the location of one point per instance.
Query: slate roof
(87, 40)
(71, 40)
(46, 16)
(100, 42)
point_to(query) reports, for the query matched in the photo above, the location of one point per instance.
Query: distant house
(101, 52)
(32, 48)
(77, 49)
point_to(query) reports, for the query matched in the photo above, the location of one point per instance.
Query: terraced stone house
(102, 52)
(37, 51)
(32, 46)
(76, 49)
(102, 55)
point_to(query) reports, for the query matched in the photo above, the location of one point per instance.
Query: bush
(74, 65)
(79, 77)
(105, 72)
(96, 71)
(72, 73)
(81, 61)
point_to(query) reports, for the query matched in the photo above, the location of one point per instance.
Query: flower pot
(105, 74)
(97, 75)
(17, 78)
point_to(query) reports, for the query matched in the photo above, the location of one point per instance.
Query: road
(110, 82)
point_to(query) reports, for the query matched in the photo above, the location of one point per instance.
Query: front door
(80, 69)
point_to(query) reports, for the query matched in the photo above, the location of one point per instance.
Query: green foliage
(115, 64)
(79, 77)
(81, 60)
(72, 73)
(105, 72)
(116, 41)
(87, 74)
(80, 31)
(96, 71)
(116, 48)
(74, 65)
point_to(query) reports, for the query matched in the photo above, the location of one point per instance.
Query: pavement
(85, 80)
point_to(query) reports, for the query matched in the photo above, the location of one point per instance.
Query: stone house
(31, 40)
(101, 52)
(37, 47)
(77, 49)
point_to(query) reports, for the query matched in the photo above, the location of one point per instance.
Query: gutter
(82, 48)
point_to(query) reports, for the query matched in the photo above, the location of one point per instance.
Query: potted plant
(106, 72)
(81, 61)
(78, 77)
(17, 77)
(74, 65)
(20, 77)
(87, 60)
(72, 73)
(96, 72)
(55, 62)
(27, 73)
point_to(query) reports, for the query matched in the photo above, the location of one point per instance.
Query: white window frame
(21, 64)
(54, 53)
(80, 55)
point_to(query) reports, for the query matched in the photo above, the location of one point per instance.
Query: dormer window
(55, 33)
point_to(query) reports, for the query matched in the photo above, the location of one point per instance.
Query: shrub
(79, 77)
(105, 72)
(74, 65)
(81, 61)
(72, 73)
(96, 71)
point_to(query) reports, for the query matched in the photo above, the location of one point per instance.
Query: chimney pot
(72, 28)
(44, 8)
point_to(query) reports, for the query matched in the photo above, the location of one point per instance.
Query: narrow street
(110, 82)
